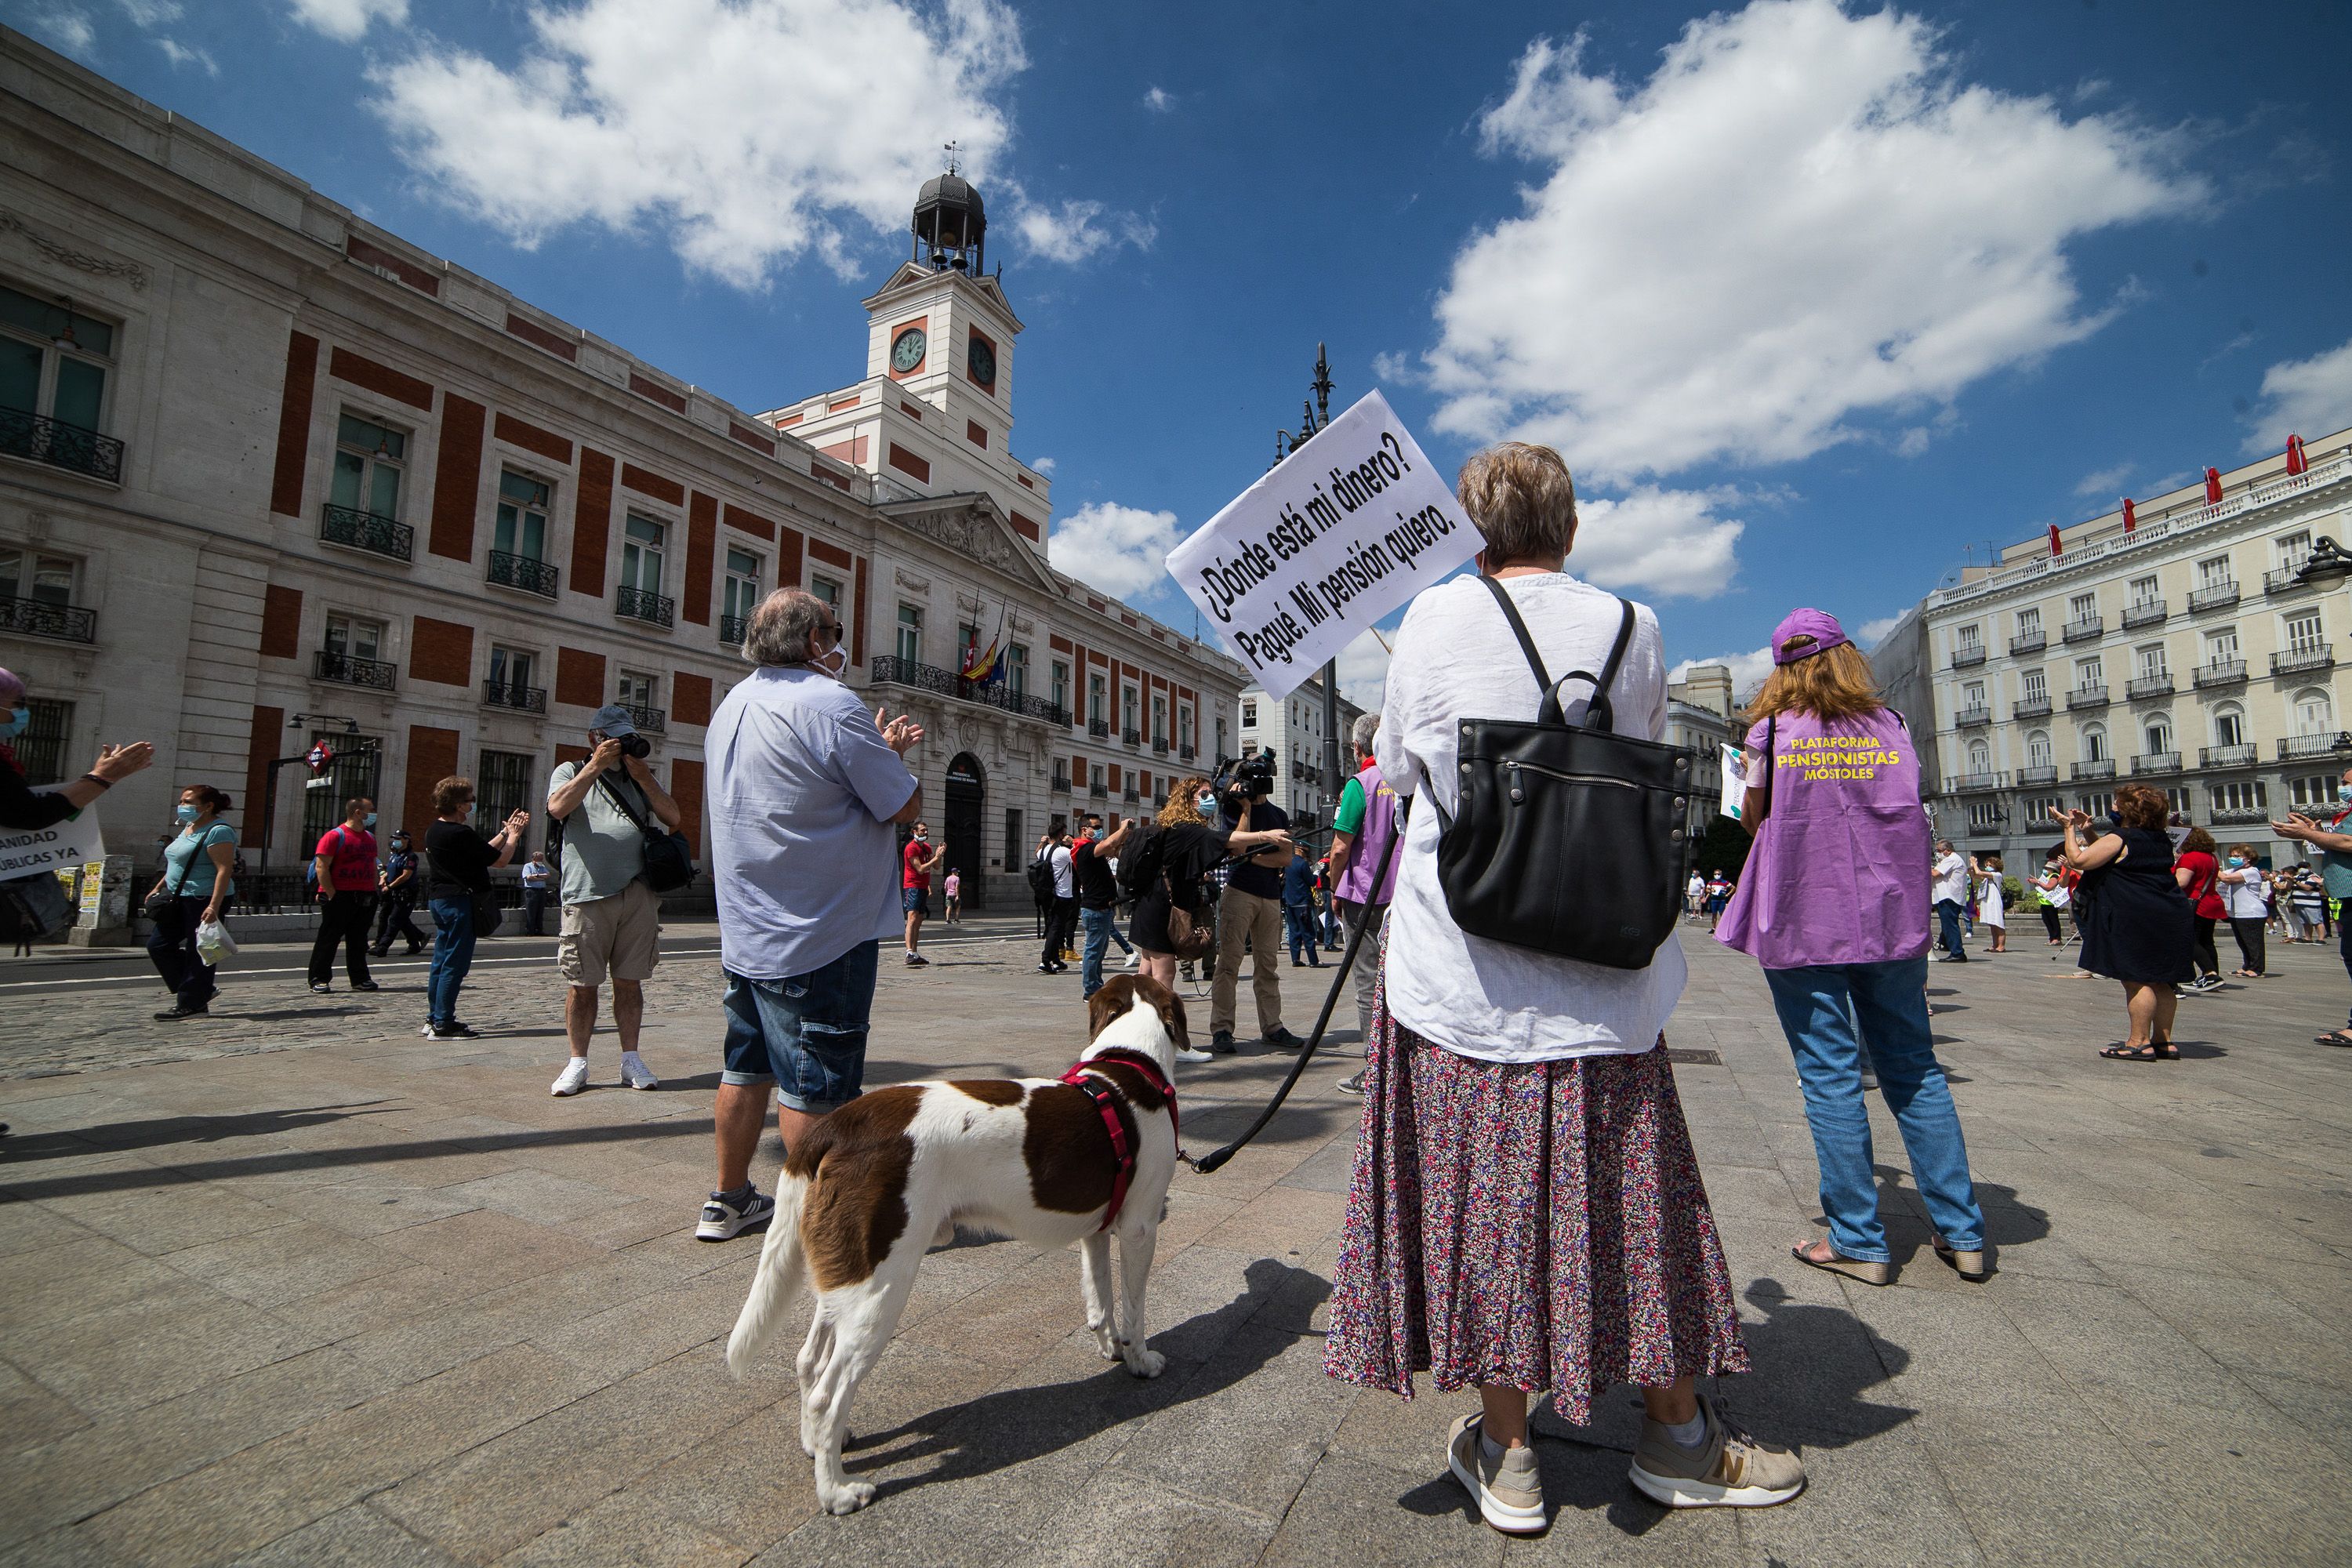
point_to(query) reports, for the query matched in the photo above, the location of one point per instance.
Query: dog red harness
(1122, 1146)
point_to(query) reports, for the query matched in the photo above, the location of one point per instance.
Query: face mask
(2236, 861)
(369, 821)
(922, 839)
(2343, 790)
(19, 719)
(184, 814)
(832, 663)
(1207, 803)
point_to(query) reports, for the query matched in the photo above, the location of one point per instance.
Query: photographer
(1251, 909)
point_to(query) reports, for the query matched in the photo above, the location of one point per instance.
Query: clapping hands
(901, 735)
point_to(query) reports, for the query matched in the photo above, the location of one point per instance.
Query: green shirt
(1350, 819)
(603, 851)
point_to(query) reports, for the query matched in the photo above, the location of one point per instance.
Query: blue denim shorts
(916, 901)
(805, 1033)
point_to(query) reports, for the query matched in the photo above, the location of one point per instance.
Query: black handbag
(487, 915)
(1568, 838)
(669, 860)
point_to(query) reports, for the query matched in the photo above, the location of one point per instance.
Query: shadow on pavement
(114, 1135)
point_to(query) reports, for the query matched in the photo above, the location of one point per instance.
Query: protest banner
(68, 846)
(1734, 762)
(1343, 530)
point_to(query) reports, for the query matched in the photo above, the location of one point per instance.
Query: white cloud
(2107, 481)
(2310, 398)
(150, 13)
(748, 130)
(1079, 230)
(1159, 101)
(1394, 368)
(1364, 672)
(1043, 465)
(1868, 635)
(1803, 217)
(1668, 541)
(65, 29)
(181, 54)
(1122, 550)
(346, 21)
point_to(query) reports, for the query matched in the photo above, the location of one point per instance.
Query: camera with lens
(1251, 777)
(634, 745)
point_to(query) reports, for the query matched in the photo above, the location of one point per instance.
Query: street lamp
(2326, 566)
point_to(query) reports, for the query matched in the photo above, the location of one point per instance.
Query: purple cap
(1818, 624)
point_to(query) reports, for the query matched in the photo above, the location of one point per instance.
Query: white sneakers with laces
(636, 1074)
(572, 1078)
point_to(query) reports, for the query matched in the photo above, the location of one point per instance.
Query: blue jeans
(814, 1028)
(1818, 1007)
(1101, 926)
(1305, 937)
(1948, 913)
(453, 954)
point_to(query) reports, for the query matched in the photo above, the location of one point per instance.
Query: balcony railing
(2284, 579)
(1186, 753)
(2141, 687)
(1061, 785)
(523, 572)
(2032, 708)
(732, 629)
(41, 440)
(1130, 736)
(1099, 791)
(2084, 697)
(2156, 763)
(2219, 672)
(2105, 768)
(349, 670)
(650, 721)
(1976, 783)
(1968, 654)
(2028, 777)
(2231, 756)
(1098, 729)
(2146, 613)
(1970, 718)
(522, 698)
(637, 605)
(2087, 628)
(948, 683)
(40, 618)
(2325, 746)
(368, 530)
(2213, 597)
(2028, 642)
(1131, 794)
(2296, 661)
(2233, 815)
(1158, 745)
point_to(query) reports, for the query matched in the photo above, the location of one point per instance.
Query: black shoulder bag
(669, 860)
(1568, 838)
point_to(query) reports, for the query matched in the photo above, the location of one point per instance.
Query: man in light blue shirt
(2335, 846)
(802, 789)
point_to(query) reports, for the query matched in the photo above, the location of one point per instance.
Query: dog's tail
(776, 1282)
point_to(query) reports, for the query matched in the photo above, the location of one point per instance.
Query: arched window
(2314, 711)
(2037, 748)
(1979, 757)
(2229, 725)
(2095, 742)
(2158, 731)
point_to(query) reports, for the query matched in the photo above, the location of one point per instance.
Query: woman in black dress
(2134, 919)
(1183, 846)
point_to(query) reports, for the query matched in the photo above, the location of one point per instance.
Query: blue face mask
(19, 719)
(185, 814)
(2236, 861)
(369, 821)
(2343, 790)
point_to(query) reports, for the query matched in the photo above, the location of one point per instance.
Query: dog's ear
(1171, 1014)
(1115, 997)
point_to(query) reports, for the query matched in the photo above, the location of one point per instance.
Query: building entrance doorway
(967, 797)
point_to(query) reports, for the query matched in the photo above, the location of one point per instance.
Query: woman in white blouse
(1527, 1212)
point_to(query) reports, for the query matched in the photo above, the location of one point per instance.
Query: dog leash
(1217, 1157)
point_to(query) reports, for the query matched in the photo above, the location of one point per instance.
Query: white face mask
(1207, 803)
(832, 663)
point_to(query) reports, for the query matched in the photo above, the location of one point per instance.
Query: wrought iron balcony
(2156, 763)
(2233, 815)
(732, 629)
(2213, 597)
(1098, 729)
(1131, 795)
(2028, 777)
(522, 698)
(1968, 654)
(1061, 785)
(40, 618)
(2032, 708)
(2296, 661)
(949, 683)
(1974, 783)
(2220, 673)
(2105, 768)
(648, 720)
(347, 670)
(2084, 697)
(41, 440)
(2083, 630)
(1160, 745)
(2028, 642)
(1186, 753)
(637, 605)
(2145, 612)
(368, 530)
(1972, 718)
(2232, 756)
(524, 571)
(2292, 747)
(1098, 790)
(1131, 736)
(2139, 688)
(2284, 579)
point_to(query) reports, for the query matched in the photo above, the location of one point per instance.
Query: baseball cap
(1819, 625)
(614, 719)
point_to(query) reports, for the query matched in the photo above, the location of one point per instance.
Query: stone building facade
(271, 476)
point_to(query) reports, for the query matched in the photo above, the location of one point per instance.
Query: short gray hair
(1523, 500)
(782, 627)
(1360, 732)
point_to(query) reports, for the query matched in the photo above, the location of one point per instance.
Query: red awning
(2212, 486)
(2055, 546)
(2131, 519)
(2295, 461)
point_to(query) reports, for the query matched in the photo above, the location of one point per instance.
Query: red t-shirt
(913, 874)
(2203, 869)
(350, 854)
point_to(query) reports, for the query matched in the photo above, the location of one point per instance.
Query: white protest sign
(1734, 782)
(69, 845)
(1340, 532)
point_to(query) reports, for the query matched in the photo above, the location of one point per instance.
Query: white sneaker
(1134, 959)
(1194, 1054)
(572, 1078)
(636, 1074)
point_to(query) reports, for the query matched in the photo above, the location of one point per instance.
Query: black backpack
(1040, 877)
(1569, 838)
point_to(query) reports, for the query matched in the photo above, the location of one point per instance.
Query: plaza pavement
(303, 1288)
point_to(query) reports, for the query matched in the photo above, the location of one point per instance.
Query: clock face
(982, 360)
(906, 351)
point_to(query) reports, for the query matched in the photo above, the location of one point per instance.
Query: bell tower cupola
(950, 226)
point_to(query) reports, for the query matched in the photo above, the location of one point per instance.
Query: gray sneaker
(724, 1220)
(1508, 1490)
(1727, 1470)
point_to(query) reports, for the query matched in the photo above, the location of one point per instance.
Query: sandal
(2332, 1038)
(1851, 1268)
(1967, 1265)
(2151, 1052)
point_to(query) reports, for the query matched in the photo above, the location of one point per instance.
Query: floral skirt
(1539, 1226)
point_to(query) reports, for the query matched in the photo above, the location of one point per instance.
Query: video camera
(1252, 777)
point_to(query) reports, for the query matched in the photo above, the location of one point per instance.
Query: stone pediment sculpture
(970, 525)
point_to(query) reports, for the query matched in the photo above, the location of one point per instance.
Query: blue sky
(1814, 300)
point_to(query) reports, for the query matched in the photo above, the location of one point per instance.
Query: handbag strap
(1771, 730)
(1598, 712)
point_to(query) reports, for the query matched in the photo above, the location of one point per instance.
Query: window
(1972, 695)
(54, 361)
(1979, 757)
(2038, 808)
(1097, 704)
(2159, 736)
(1126, 708)
(1971, 639)
(1159, 721)
(2293, 550)
(2095, 744)
(2028, 621)
(2221, 645)
(2314, 713)
(2303, 634)
(828, 589)
(41, 749)
(911, 633)
(1184, 727)
(1249, 715)
(1061, 678)
(502, 787)
(2246, 795)
(1015, 847)
(2090, 674)
(2037, 686)
(2144, 589)
(740, 595)
(521, 527)
(641, 554)
(369, 463)
(2037, 749)
(2313, 790)
(1986, 817)
(2213, 571)
(358, 769)
(2083, 606)
(2099, 804)
(1095, 783)
(637, 690)
(352, 637)
(511, 668)
(968, 642)
(2229, 725)
(1017, 669)
(1221, 734)
(2151, 659)
(33, 574)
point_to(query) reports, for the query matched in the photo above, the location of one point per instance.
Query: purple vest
(1379, 827)
(1839, 871)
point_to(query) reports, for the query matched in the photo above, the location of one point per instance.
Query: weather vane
(952, 150)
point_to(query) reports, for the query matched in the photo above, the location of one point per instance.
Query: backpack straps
(1771, 732)
(1598, 713)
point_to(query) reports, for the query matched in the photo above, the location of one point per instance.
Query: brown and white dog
(867, 1193)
